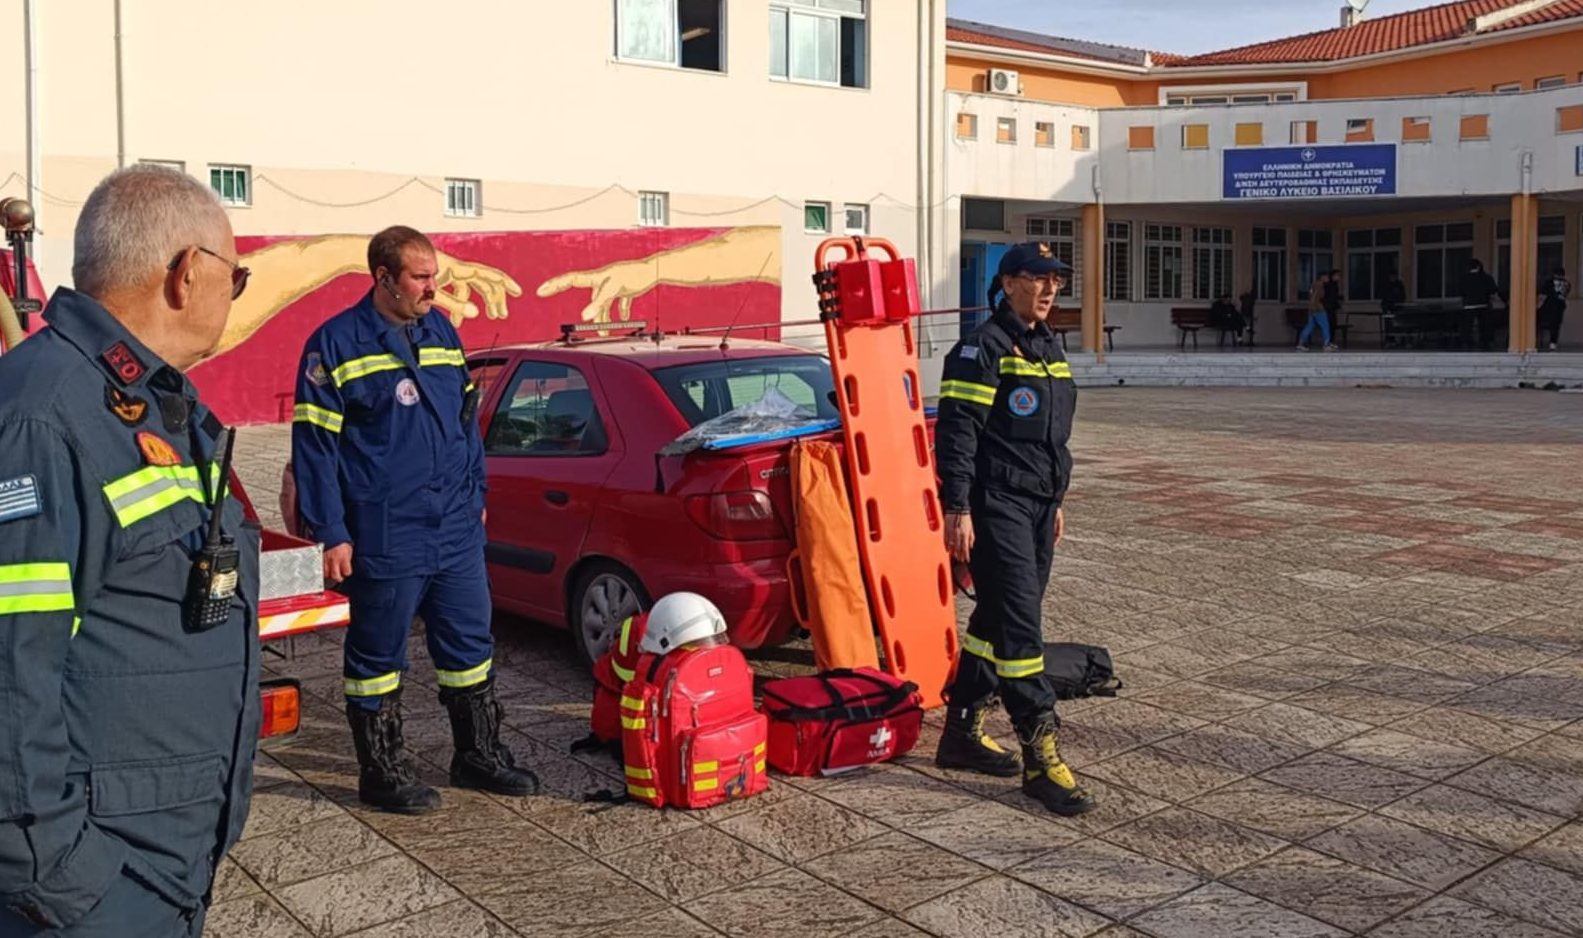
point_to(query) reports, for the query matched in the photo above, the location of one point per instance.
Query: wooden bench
(1189, 319)
(1297, 319)
(1063, 321)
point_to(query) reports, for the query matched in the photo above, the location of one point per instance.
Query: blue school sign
(1310, 172)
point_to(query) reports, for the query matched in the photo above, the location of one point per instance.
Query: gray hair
(135, 221)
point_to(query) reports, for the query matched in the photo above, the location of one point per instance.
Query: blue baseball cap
(1033, 257)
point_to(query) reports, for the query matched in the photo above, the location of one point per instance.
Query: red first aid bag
(690, 737)
(840, 720)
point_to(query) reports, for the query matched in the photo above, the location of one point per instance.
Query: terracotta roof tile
(1387, 34)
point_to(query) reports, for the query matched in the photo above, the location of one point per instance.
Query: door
(548, 454)
(979, 263)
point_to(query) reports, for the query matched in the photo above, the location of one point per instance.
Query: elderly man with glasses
(129, 672)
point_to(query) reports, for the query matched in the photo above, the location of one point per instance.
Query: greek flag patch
(970, 352)
(19, 498)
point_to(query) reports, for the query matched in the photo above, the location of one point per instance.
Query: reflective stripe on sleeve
(318, 416)
(35, 587)
(967, 391)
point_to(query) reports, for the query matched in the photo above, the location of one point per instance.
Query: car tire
(605, 595)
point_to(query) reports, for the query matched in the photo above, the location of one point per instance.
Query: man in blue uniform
(1006, 406)
(129, 671)
(390, 478)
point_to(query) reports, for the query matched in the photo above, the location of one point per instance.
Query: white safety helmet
(681, 619)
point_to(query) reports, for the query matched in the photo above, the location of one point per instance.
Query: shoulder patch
(969, 352)
(316, 371)
(156, 451)
(19, 498)
(128, 408)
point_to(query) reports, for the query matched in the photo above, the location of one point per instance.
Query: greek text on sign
(1338, 172)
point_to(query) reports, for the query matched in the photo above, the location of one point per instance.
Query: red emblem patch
(123, 363)
(157, 452)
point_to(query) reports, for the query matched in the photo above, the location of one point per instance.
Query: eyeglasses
(1054, 280)
(239, 274)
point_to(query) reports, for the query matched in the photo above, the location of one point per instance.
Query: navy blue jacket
(385, 442)
(1006, 406)
(126, 741)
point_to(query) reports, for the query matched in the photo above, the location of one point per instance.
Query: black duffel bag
(1080, 670)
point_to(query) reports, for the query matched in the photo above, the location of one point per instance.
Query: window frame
(1157, 247)
(595, 411)
(1214, 252)
(816, 204)
(247, 183)
(648, 197)
(813, 8)
(1121, 246)
(677, 40)
(473, 187)
(1062, 235)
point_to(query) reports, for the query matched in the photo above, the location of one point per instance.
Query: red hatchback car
(588, 522)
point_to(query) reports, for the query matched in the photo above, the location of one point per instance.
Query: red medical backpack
(690, 737)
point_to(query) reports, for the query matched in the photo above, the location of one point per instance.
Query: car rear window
(705, 390)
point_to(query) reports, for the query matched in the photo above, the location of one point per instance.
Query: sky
(1181, 26)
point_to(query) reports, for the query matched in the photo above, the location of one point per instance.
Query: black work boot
(482, 760)
(1045, 777)
(386, 777)
(965, 745)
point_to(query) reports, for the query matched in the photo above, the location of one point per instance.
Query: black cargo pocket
(121, 789)
(1025, 412)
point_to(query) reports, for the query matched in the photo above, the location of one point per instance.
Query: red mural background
(253, 381)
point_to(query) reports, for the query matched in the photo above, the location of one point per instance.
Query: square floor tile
(1219, 911)
(1532, 892)
(1411, 755)
(999, 907)
(1346, 780)
(1107, 879)
(1502, 825)
(1274, 809)
(1204, 844)
(798, 829)
(994, 834)
(1444, 917)
(1424, 858)
(583, 899)
(790, 903)
(1327, 889)
(381, 891)
(895, 871)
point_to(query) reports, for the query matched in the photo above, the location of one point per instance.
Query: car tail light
(736, 516)
(282, 708)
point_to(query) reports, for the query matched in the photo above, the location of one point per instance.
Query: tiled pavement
(1351, 627)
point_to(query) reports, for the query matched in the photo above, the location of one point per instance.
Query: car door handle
(557, 497)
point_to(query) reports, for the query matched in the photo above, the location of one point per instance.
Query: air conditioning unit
(1004, 81)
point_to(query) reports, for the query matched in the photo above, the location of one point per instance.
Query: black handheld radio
(212, 582)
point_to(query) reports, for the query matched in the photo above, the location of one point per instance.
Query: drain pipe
(120, 97)
(34, 156)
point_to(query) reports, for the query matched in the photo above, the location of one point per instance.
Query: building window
(233, 184)
(461, 198)
(1569, 120)
(1511, 88)
(654, 209)
(983, 215)
(819, 40)
(1118, 260)
(1269, 264)
(1553, 81)
(1441, 253)
(1316, 253)
(1250, 135)
(1247, 97)
(1415, 130)
(966, 126)
(1061, 235)
(856, 218)
(1360, 130)
(1475, 127)
(1213, 260)
(1162, 262)
(1305, 132)
(177, 165)
(1551, 253)
(1043, 134)
(1140, 138)
(1195, 136)
(686, 33)
(1005, 130)
(1080, 137)
(816, 217)
(1373, 256)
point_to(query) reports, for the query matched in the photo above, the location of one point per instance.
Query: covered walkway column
(1093, 226)
(1522, 325)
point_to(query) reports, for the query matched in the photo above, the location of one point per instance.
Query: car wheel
(606, 595)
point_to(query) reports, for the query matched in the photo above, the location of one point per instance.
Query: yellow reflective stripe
(632, 703)
(626, 633)
(641, 774)
(1018, 667)
(633, 723)
(35, 587)
(759, 766)
(468, 389)
(703, 768)
(1011, 365)
(318, 416)
(968, 391)
(373, 686)
(758, 750)
(150, 490)
(348, 372)
(76, 623)
(638, 791)
(626, 674)
(473, 675)
(431, 356)
(706, 784)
